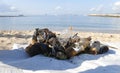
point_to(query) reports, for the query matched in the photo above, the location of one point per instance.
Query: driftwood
(109, 46)
(47, 43)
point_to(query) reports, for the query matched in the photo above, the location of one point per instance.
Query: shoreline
(105, 15)
(100, 31)
(11, 15)
(9, 38)
(111, 31)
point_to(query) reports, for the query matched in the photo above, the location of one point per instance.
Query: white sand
(17, 61)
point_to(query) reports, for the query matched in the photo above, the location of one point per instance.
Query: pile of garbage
(49, 44)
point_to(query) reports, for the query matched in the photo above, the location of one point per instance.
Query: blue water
(82, 23)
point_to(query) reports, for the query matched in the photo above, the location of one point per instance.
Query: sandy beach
(8, 38)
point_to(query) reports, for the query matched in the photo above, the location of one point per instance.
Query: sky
(58, 7)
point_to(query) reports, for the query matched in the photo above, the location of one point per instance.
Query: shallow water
(82, 23)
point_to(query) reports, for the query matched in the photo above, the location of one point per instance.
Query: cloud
(58, 8)
(116, 6)
(98, 8)
(12, 8)
(92, 9)
(7, 8)
(117, 3)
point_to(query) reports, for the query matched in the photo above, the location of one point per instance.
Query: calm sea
(81, 23)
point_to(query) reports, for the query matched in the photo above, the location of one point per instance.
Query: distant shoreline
(105, 15)
(11, 15)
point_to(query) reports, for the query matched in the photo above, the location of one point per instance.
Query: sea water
(61, 22)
